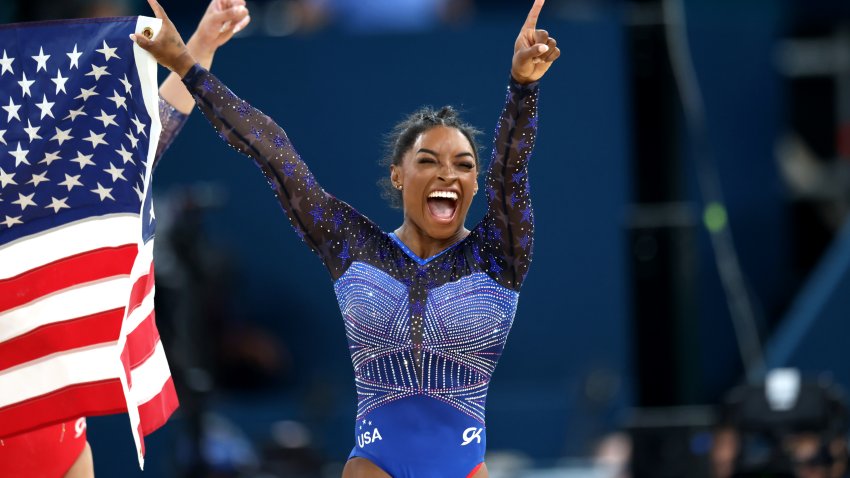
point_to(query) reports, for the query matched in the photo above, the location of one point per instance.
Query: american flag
(79, 127)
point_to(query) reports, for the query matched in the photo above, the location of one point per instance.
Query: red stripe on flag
(67, 272)
(141, 288)
(141, 342)
(125, 364)
(102, 327)
(155, 412)
(86, 399)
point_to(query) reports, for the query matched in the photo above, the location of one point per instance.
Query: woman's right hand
(167, 48)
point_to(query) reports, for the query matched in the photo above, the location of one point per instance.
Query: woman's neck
(423, 245)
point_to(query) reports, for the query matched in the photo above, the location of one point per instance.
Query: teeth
(444, 194)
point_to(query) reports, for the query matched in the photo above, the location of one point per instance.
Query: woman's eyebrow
(426, 150)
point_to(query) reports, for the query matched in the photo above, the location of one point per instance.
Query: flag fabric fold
(79, 127)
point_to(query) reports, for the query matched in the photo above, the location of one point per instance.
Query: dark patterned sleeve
(172, 122)
(330, 227)
(506, 233)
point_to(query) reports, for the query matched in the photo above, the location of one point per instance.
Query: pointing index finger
(531, 21)
(157, 9)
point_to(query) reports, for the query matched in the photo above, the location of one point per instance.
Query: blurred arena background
(691, 189)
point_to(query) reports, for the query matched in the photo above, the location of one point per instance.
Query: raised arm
(221, 20)
(329, 226)
(507, 230)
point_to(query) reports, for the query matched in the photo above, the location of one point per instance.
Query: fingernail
(132, 37)
(241, 25)
(543, 48)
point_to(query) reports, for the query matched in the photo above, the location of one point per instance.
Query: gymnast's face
(438, 178)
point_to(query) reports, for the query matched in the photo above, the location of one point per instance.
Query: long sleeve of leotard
(506, 232)
(330, 227)
(172, 122)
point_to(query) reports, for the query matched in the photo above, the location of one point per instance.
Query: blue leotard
(424, 334)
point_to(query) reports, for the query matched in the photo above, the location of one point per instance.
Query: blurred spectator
(380, 16)
(36, 10)
(797, 429)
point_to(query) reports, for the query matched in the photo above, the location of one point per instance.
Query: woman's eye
(426, 160)
(467, 165)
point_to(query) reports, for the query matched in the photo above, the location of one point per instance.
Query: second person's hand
(222, 20)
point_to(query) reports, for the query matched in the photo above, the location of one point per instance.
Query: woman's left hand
(534, 50)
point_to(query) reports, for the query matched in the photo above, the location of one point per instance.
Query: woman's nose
(447, 172)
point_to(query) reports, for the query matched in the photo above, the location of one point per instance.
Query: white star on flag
(107, 52)
(83, 160)
(25, 201)
(138, 189)
(38, 179)
(75, 57)
(45, 107)
(127, 156)
(49, 158)
(95, 139)
(127, 86)
(20, 155)
(12, 109)
(97, 72)
(106, 119)
(85, 93)
(103, 192)
(71, 181)
(25, 85)
(133, 140)
(2, 139)
(41, 59)
(61, 136)
(60, 82)
(77, 112)
(6, 64)
(32, 131)
(57, 204)
(120, 101)
(116, 173)
(140, 127)
(6, 179)
(11, 221)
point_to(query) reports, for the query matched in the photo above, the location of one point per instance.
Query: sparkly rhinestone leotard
(424, 333)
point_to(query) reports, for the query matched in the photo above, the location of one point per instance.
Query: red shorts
(46, 452)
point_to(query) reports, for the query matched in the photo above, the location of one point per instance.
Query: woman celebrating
(428, 307)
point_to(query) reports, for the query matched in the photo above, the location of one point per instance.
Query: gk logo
(470, 434)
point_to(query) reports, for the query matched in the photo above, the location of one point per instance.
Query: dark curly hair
(402, 137)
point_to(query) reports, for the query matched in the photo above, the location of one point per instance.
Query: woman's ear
(396, 176)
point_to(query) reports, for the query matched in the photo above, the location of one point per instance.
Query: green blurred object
(715, 217)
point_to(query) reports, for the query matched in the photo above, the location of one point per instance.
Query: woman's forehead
(442, 137)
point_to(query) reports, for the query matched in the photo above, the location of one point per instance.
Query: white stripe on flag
(74, 238)
(141, 313)
(150, 376)
(35, 378)
(68, 304)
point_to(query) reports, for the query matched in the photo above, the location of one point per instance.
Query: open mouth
(443, 205)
